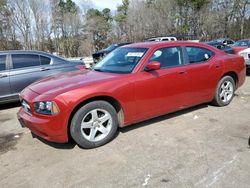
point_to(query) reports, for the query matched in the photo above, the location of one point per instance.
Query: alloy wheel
(226, 91)
(96, 125)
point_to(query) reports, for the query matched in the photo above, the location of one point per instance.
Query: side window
(168, 57)
(198, 55)
(57, 60)
(221, 47)
(166, 39)
(2, 62)
(25, 60)
(45, 60)
(230, 42)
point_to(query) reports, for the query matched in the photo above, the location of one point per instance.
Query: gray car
(18, 69)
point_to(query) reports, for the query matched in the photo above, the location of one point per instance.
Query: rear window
(198, 55)
(2, 62)
(220, 47)
(45, 60)
(230, 42)
(25, 60)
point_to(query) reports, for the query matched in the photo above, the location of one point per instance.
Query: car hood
(69, 81)
(246, 51)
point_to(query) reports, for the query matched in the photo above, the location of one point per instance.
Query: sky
(101, 4)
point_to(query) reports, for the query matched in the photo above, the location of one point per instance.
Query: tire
(94, 124)
(248, 71)
(224, 91)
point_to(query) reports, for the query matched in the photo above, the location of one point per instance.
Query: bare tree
(21, 18)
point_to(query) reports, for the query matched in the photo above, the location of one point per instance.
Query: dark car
(19, 69)
(97, 56)
(225, 41)
(222, 47)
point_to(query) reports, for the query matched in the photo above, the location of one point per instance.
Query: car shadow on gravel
(162, 118)
(63, 146)
(9, 105)
(71, 144)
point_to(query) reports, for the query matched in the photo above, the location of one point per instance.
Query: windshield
(242, 43)
(219, 40)
(121, 60)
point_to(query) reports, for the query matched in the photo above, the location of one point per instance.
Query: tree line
(72, 30)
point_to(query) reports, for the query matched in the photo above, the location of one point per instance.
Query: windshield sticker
(135, 54)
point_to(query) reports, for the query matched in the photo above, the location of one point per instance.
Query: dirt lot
(204, 146)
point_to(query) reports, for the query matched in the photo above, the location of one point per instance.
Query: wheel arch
(233, 75)
(114, 102)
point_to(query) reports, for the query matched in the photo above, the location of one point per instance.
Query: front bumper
(49, 127)
(42, 127)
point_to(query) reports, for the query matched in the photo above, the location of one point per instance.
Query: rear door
(202, 73)
(4, 76)
(24, 70)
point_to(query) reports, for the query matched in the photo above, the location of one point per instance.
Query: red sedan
(131, 84)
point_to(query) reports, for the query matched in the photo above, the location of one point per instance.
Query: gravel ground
(204, 146)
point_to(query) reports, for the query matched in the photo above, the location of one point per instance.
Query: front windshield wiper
(98, 69)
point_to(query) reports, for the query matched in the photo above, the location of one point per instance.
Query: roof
(31, 52)
(163, 43)
(25, 51)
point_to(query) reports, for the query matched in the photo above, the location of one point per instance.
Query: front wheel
(225, 91)
(94, 124)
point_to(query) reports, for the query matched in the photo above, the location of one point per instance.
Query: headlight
(46, 108)
(243, 54)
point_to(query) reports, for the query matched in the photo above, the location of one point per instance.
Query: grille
(26, 107)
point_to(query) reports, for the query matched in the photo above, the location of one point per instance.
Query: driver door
(164, 90)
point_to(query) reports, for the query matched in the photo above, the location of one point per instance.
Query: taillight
(81, 67)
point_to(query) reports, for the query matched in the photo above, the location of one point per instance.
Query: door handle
(182, 72)
(217, 66)
(44, 69)
(3, 75)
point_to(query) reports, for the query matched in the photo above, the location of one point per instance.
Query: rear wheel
(94, 124)
(225, 91)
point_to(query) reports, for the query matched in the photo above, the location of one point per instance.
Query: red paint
(238, 49)
(141, 94)
(81, 67)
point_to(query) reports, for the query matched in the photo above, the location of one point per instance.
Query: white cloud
(101, 4)
(112, 4)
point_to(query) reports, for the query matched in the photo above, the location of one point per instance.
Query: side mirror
(153, 65)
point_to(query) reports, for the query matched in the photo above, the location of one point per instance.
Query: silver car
(18, 69)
